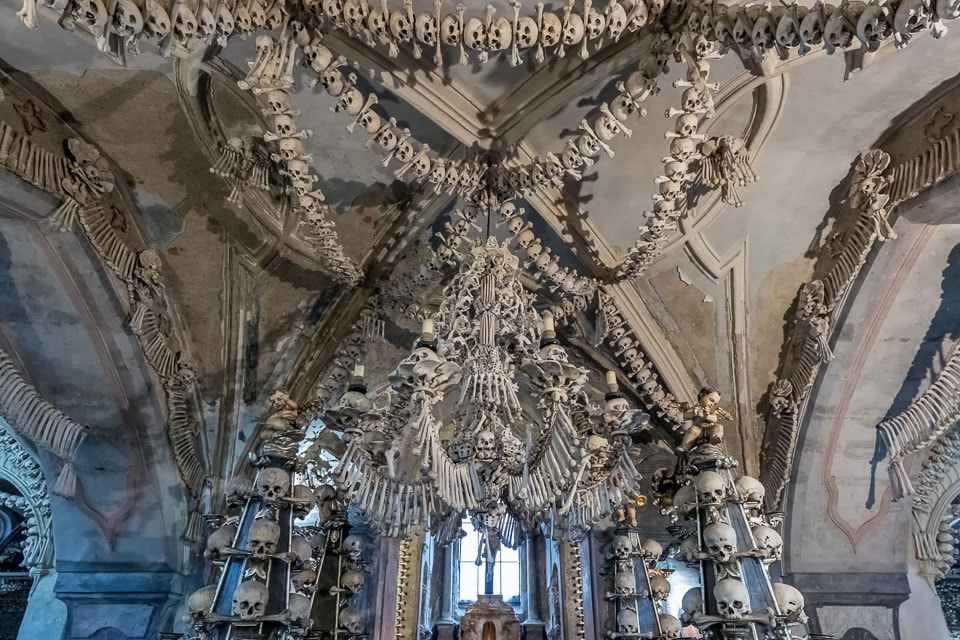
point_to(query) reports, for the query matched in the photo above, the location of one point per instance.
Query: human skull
(264, 535)
(242, 17)
(733, 601)
(378, 23)
(91, 13)
(659, 587)
(622, 547)
(304, 580)
(426, 26)
(692, 602)
(500, 35)
(333, 10)
(473, 34)
(637, 14)
(301, 550)
(687, 124)
(298, 607)
(355, 12)
(711, 488)
(677, 171)
(284, 126)
(551, 29)
(622, 107)
(527, 32)
(451, 30)
(750, 489)
(219, 539)
(788, 31)
(400, 26)
(627, 622)
(290, 148)
(206, 25)
(352, 581)
(651, 550)
(625, 582)
(486, 447)
(768, 541)
(573, 29)
(278, 102)
(200, 601)
(669, 626)
(127, 19)
(811, 27)
(157, 24)
(354, 546)
(912, 16)
(333, 81)
(595, 24)
(250, 600)
(351, 101)
(421, 166)
(720, 540)
(689, 550)
(588, 145)
(873, 28)
(836, 33)
(691, 100)
(789, 599)
(683, 149)
(616, 18)
(763, 35)
(369, 121)
(670, 190)
(237, 490)
(387, 139)
(350, 620)
(184, 25)
(571, 157)
(272, 484)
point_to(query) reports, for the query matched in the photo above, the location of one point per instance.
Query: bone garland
(629, 354)
(581, 154)
(33, 418)
(818, 303)
(269, 79)
(486, 33)
(753, 31)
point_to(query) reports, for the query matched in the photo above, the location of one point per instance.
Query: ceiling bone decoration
(691, 32)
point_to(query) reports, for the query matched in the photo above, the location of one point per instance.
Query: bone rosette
(486, 416)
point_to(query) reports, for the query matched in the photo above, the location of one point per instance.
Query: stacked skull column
(726, 535)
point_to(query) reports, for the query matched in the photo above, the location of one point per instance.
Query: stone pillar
(121, 605)
(449, 588)
(839, 602)
(45, 617)
(533, 575)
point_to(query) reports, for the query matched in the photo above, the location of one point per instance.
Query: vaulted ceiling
(256, 306)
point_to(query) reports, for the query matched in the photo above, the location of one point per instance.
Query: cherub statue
(703, 420)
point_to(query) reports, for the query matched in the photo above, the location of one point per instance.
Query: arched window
(506, 570)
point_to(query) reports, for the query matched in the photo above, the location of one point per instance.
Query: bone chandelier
(486, 416)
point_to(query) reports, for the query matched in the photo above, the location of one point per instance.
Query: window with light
(506, 571)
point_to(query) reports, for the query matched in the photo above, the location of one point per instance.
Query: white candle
(427, 327)
(547, 323)
(358, 371)
(611, 377)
